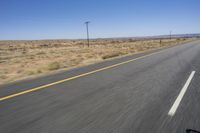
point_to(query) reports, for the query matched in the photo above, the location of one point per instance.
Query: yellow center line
(72, 78)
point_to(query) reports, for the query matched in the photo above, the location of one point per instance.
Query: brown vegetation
(20, 59)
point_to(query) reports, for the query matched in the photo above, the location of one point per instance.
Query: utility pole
(170, 34)
(88, 39)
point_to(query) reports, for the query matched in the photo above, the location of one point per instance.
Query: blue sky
(54, 19)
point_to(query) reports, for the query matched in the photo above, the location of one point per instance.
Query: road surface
(153, 92)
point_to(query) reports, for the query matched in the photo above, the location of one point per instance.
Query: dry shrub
(30, 72)
(111, 55)
(53, 66)
(41, 53)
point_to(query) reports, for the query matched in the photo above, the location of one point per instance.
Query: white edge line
(174, 107)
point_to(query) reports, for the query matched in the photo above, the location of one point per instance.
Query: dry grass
(20, 59)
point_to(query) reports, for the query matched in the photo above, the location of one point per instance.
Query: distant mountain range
(158, 36)
(123, 38)
(176, 35)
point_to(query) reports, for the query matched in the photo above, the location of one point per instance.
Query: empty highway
(153, 92)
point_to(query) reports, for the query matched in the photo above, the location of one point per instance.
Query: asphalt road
(135, 96)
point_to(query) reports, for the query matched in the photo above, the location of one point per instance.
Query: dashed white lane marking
(174, 107)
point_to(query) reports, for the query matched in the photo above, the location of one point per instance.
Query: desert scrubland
(24, 59)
